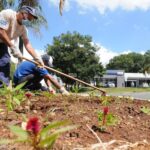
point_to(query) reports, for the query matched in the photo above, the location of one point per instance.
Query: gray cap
(48, 60)
(29, 10)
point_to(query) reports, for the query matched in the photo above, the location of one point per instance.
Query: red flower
(105, 110)
(33, 125)
(28, 95)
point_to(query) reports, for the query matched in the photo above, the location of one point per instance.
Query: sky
(117, 26)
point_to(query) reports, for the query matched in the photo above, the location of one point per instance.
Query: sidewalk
(135, 95)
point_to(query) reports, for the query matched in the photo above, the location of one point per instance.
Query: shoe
(64, 91)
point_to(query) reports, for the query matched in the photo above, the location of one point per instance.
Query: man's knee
(26, 78)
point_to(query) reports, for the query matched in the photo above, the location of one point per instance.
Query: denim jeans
(4, 65)
(32, 82)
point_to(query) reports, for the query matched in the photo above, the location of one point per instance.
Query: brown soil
(132, 131)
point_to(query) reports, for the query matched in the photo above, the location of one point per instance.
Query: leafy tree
(147, 57)
(74, 54)
(6, 4)
(132, 62)
(146, 66)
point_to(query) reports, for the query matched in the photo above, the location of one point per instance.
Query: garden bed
(132, 131)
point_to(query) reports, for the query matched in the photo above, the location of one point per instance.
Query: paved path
(137, 95)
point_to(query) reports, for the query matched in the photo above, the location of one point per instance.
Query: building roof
(115, 72)
(110, 76)
(128, 76)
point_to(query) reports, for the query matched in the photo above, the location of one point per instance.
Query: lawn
(116, 90)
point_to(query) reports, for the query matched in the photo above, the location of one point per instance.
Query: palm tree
(6, 4)
(33, 3)
(36, 24)
(61, 6)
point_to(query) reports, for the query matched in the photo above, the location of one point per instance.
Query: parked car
(145, 85)
(110, 84)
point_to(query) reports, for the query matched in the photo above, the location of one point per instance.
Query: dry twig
(100, 141)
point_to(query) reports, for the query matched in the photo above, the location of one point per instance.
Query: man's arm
(31, 51)
(48, 79)
(14, 50)
(4, 37)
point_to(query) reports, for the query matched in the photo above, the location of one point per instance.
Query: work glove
(51, 90)
(16, 52)
(39, 61)
(63, 91)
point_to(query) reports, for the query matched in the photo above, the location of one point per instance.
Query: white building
(122, 79)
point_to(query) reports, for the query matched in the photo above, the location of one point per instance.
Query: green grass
(118, 90)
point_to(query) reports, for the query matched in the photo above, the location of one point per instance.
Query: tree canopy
(132, 62)
(74, 53)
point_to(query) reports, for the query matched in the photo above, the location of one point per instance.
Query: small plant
(28, 95)
(105, 100)
(13, 96)
(75, 88)
(48, 94)
(106, 119)
(36, 136)
(145, 110)
(92, 94)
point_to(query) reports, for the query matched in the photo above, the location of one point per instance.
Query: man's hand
(51, 90)
(16, 52)
(64, 91)
(39, 60)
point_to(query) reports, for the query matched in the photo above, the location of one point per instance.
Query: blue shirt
(26, 68)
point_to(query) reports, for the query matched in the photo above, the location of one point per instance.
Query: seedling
(36, 136)
(105, 100)
(145, 110)
(106, 119)
(75, 89)
(92, 94)
(13, 96)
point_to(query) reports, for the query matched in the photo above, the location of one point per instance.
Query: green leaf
(49, 141)
(9, 105)
(5, 141)
(64, 129)
(51, 126)
(111, 120)
(18, 87)
(1, 110)
(19, 132)
(100, 116)
(8, 141)
(16, 100)
(145, 110)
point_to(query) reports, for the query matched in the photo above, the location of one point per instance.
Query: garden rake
(68, 76)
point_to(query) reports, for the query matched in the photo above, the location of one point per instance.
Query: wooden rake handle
(68, 76)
